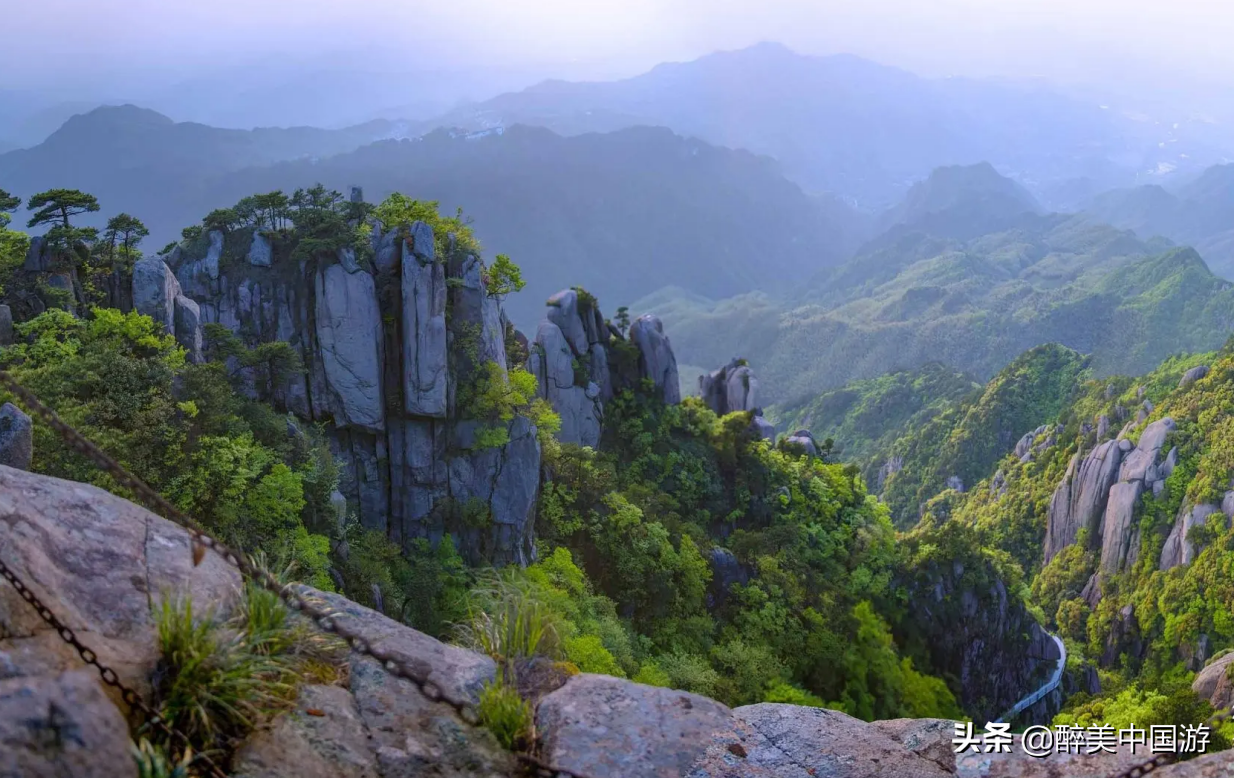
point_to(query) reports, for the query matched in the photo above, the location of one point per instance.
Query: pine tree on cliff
(124, 233)
(54, 208)
(7, 203)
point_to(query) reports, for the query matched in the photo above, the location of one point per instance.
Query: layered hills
(622, 213)
(929, 290)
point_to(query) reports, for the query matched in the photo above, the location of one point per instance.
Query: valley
(775, 398)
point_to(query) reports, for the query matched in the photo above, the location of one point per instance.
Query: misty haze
(617, 389)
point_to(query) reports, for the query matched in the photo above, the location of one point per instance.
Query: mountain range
(858, 129)
(929, 290)
(623, 213)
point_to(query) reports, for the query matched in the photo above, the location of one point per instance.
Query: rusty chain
(320, 615)
(109, 676)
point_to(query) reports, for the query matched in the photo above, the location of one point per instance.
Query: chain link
(131, 698)
(312, 608)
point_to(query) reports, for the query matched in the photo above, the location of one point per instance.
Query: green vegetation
(974, 304)
(217, 681)
(866, 418)
(504, 713)
(399, 210)
(183, 428)
(968, 440)
(1146, 634)
(154, 762)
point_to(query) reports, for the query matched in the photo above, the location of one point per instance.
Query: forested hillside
(680, 549)
(911, 296)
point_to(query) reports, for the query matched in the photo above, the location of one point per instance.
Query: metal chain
(321, 615)
(109, 676)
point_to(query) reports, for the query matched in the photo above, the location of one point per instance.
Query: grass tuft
(504, 713)
(217, 680)
(154, 762)
(507, 621)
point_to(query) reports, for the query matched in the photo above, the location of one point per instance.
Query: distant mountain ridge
(623, 213)
(912, 296)
(837, 123)
(1200, 213)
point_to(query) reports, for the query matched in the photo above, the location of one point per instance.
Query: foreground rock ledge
(101, 563)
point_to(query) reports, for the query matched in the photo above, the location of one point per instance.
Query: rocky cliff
(102, 563)
(1101, 492)
(393, 344)
(401, 347)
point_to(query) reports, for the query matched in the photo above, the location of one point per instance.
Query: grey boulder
(656, 358)
(62, 725)
(609, 728)
(16, 437)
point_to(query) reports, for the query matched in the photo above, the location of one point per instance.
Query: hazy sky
(129, 45)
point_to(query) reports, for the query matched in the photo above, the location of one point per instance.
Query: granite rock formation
(394, 341)
(734, 388)
(581, 361)
(1101, 491)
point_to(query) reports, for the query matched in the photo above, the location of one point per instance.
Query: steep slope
(1199, 214)
(1122, 516)
(865, 418)
(839, 123)
(972, 305)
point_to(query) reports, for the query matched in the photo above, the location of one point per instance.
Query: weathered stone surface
(1218, 765)
(954, 482)
(100, 563)
(928, 738)
(189, 327)
(1080, 499)
(1117, 541)
(154, 292)
(425, 373)
(415, 738)
(552, 363)
(422, 243)
(804, 439)
(788, 741)
(385, 249)
(656, 358)
(6, 325)
(1213, 682)
(1178, 549)
(763, 428)
(58, 726)
(199, 278)
(323, 737)
(347, 258)
(1018, 764)
(349, 335)
(563, 310)
(1193, 375)
(733, 387)
(609, 728)
(261, 253)
(892, 466)
(1138, 464)
(459, 672)
(38, 258)
(16, 437)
